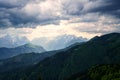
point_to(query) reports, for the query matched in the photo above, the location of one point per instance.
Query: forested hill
(77, 59)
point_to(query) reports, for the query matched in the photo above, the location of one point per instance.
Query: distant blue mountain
(12, 41)
(58, 42)
(27, 48)
(64, 41)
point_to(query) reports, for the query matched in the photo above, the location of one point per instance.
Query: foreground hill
(100, 72)
(77, 59)
(23, 60)
(100, 50)
(27, 48)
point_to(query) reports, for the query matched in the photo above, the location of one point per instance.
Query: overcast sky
(50, 18)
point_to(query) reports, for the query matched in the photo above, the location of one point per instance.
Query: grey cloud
(15, 14)
(28, 13)
(103, 24)
(12, 3)
(111, 7)
(80, 7)
(14, 31)
(72, 7)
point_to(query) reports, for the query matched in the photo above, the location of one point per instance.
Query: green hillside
(100, 72)
(77, 59)
(102, 50)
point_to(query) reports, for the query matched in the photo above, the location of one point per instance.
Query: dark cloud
(112, 7)
(4, 5)
(79, 7)
(72, 7)
(27, 13)
(24, 13)
(12, 3)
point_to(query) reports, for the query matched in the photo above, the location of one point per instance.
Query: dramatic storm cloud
(52, 18)
(29, 13)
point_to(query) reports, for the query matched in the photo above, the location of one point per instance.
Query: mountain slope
(103, 50)
(79, 58)
(27, 48)
(61, 42)
(24, 60)
(99, 72)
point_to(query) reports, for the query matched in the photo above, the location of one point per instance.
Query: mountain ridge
(10, 41)
(84, 54)
(26, 48)
(79, 58)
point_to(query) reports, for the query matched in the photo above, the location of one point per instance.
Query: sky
(51, 18)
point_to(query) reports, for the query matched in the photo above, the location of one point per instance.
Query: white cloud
(78, 26)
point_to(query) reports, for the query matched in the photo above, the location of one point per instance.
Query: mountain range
(26, 48)
(59, 42)
(96, 59)
(9, 41)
